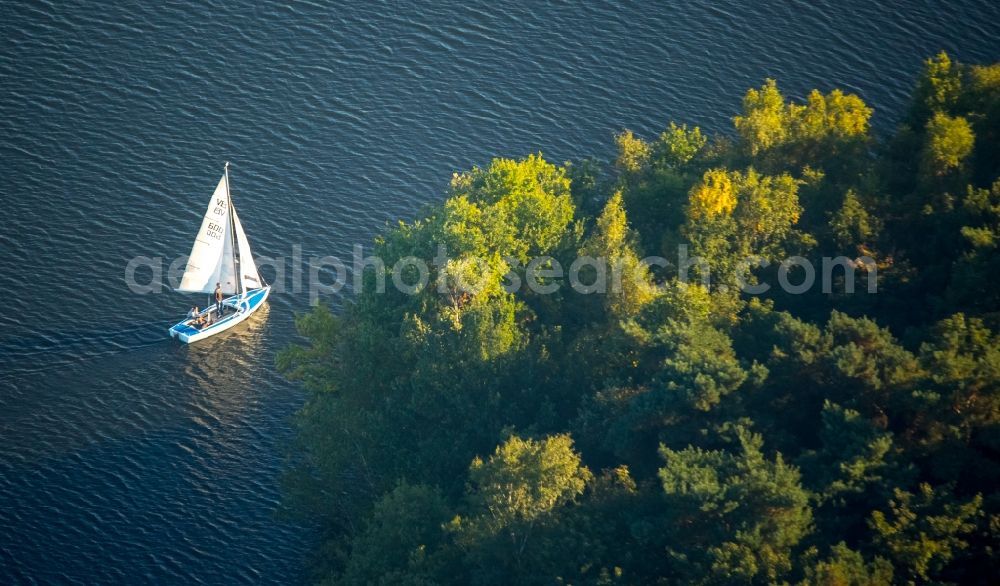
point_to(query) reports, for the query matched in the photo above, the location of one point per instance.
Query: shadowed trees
(482, 421)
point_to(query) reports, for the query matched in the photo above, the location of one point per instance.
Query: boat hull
(244, 305)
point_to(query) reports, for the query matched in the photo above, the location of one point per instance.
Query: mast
(232, 237)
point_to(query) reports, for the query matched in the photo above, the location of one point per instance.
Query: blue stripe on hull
(244, 306)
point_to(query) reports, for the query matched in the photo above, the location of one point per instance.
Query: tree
(678, 145)
(921, 533)
(836, 114)
(852, 225)
(852, 472)
(970, 286)
(867, 368)
(956, 414)
(514, 208)
(628, 285)
(735, 216)
(526, 478)
(510, 494)
(633, 152)
(736, 517)
(699, 367)
(714, 196)
(855, 456)
(764, 122)
(679, 367)
(938, 88)
(846, 567)
(963, 360)
(949, 143)
(403, 541)
(823, 133)
(768, 208)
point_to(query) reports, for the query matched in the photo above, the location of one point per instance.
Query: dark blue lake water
(125, 457)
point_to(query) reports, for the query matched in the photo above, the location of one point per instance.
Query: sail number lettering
(214, 230)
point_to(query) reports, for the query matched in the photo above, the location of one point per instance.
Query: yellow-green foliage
(526, 478)
(845, 567)
(922, 533)
(985, 78)
(764, 122)
(715, 195)
(629, 286)
(612, 229)
(835, 114)
(732, 214)
(633, 152)
(513, 208)
(768, 205)
(768, 121)
(940, 84)
(677, 145)
(949, 142)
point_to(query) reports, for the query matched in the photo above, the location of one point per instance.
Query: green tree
(735, 517)
(510, 495)
(526, 478)
(513, 208)
(764, 122)
(403, 541)
(628, 285)
(956, 414)
(679, 367)
(846, 567)
(963, 360)
(735, 216)
(852, 225)
(698, 366)
(921, 533)
(855, 456)
(938, 88)
(678, 145)
(867, 369)
(949, 143)
(633, 152)
(971, 281)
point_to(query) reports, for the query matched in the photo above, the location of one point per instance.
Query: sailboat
(220, 257)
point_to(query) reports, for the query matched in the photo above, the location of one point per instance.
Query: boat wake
(43, 351)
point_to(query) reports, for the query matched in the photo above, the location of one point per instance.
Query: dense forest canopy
(675, 430)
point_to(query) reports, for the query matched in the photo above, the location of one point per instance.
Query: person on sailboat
(220, 251)
(218, 299)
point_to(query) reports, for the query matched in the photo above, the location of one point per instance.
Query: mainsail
(214, 254)
(248, 269)
(204, 265)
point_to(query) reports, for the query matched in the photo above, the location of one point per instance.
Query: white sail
(227, 267)
(221, 254)
(248, 268)
(204, 267)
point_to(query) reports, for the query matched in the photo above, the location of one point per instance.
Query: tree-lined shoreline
(668, 431)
